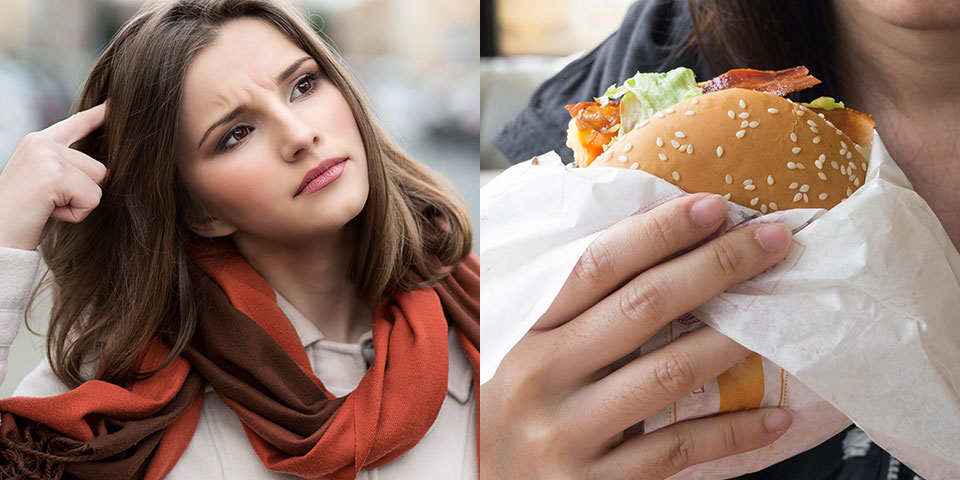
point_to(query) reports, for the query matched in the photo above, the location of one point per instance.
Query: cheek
(227, 191)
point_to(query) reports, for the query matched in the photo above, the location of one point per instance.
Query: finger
(647, 384)
(624, 320)
(77, 126)
(77, 196)
(630, 247)
(671, 449)
(86, 164)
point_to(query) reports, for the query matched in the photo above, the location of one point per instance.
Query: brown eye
(304, 86)
(240, 132)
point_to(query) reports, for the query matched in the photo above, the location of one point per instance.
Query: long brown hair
(122, 276)
(768, 35)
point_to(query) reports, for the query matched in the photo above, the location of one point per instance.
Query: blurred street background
(418, 61)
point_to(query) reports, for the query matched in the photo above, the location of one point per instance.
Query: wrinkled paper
(861, 321)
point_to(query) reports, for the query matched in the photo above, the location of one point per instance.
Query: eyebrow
(283, 76)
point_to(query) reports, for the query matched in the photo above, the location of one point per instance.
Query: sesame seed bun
(757, 149)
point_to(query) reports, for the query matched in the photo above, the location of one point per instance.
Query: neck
(907, 79)
(312, 276)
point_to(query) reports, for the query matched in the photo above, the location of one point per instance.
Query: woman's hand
(45, 178)
(557, 408)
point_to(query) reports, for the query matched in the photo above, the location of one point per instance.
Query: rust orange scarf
(248, 351)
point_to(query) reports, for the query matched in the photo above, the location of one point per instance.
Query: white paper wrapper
(865, 310)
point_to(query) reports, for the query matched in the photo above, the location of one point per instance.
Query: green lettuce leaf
(826, 103)
(647, 93)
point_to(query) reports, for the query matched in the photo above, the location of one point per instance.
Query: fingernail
(773, 237)
(708, 211)
(777, 420)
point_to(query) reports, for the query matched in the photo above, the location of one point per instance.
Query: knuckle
(642, 301)
(731, 436)
(660, 231)
(596, 264)
(727, 256)
(681, 452)
(672, 371)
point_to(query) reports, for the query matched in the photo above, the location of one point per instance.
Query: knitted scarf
(248, 351)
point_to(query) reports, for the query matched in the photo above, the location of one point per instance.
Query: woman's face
(257, 116)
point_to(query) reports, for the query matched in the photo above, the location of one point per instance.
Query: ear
(212, 228)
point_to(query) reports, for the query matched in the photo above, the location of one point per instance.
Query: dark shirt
(652, 38)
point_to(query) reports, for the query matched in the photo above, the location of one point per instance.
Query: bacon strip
(780, 82)
(591, 115)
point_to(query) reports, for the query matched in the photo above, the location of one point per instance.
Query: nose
(298, 136)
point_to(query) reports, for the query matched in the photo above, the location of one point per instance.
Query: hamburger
(735, 135)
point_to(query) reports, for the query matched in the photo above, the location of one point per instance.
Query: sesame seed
(695, 101)
(662, 157)
(797, 197)
(741, 133)
(833, 164)
(811, 123)
(822, 176)
(843, 169)
(806, 198)
(659, 142)
(690, 149)
(750, 187)
(816, 140)
(793, 137)
(795, 150)
(791, 165)
(643, 123)
(849, 155)
(763, 208)
(680, 134)
(719, 151)
(858, 147)
(682, 147)
(822, 196)
(754, 124)
(801, 166)
(856, 182)
(753, 201)
(745, 124)
(829, 124)
(728, 179)
(793, 185)
(669, 110)
(804, 188)
(748, 181)
(659, 114)
(689, 113)
(622, 158)
(851, 177)
(769, 179)
(743, 104)
(839, 132)
(815, 130)
(676, 176)
(773, 110)
(863, 165)
(627, 147)
(634, 165)
(849, 192)
(773, 206)
(675, 143)
(726, 196)
(744, 115)
(843, 144)
(821, 116)
(853, 166)
(843, 151)
(800, 112)
(731, 114)
(822, 158)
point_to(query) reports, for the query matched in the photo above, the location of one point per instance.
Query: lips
(315, 172)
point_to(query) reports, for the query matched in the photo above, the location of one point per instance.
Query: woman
(896, 60)
(241, 252)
